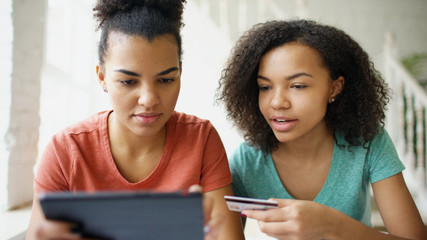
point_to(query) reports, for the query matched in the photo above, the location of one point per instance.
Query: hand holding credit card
(238, 204)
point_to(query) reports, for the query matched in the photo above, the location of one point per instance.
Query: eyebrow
(291, 77)
(169, 70)
(127, 72)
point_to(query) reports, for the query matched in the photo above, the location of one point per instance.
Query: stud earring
(105, 90)
(332, 100)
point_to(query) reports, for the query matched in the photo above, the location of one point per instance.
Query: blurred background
(48, 54)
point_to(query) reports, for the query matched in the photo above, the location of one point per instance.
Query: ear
(336, 88)
(101, 76)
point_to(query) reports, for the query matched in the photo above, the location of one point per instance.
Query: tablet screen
(129, 215)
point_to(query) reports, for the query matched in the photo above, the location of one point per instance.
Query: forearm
(231, 225)
(232, 228)
(345, 227)
(36, 217)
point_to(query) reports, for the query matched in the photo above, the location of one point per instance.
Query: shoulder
(379, 148)
(184, 118)
(94, 123)
(380, 159)
(189, 123)
(247, 154)
(382, 138)
(382, 146)
(245, 148)
(193, 131)
(383, 158)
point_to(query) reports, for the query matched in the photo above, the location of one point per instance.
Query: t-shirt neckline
(325, 186)
(164, 159)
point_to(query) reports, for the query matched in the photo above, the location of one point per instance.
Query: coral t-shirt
(79, 159)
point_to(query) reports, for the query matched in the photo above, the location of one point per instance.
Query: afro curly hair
(359, 110)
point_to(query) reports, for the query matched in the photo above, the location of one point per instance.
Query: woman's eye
(166, 80)
(299, 86)
(264, 88)
(128, 82)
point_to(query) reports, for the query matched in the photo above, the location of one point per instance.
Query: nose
(280, 100)
(148, 96)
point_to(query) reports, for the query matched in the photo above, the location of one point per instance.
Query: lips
(282, 124)
(147, 118)
(283, 121)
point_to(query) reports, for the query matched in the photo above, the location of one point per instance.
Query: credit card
(238, 204)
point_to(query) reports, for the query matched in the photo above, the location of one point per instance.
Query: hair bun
(105, 9)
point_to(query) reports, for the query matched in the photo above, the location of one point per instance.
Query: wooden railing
(407, 121)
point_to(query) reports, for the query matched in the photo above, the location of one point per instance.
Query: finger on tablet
(196, 188)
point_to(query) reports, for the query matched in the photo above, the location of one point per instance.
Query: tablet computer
(129, 215)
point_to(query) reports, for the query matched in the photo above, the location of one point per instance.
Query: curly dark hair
(358, 110)
(146, 18)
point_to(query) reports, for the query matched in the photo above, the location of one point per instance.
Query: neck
(125, 140)
(309, 147)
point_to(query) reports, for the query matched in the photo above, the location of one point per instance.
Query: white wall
(6, 30)
(205, 51)
(69, 83)
(23, 51)
(368, 21)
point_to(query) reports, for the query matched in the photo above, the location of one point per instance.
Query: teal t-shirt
(346, 187)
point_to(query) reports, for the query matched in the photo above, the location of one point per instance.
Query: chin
(285, 137)
(150, 131)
